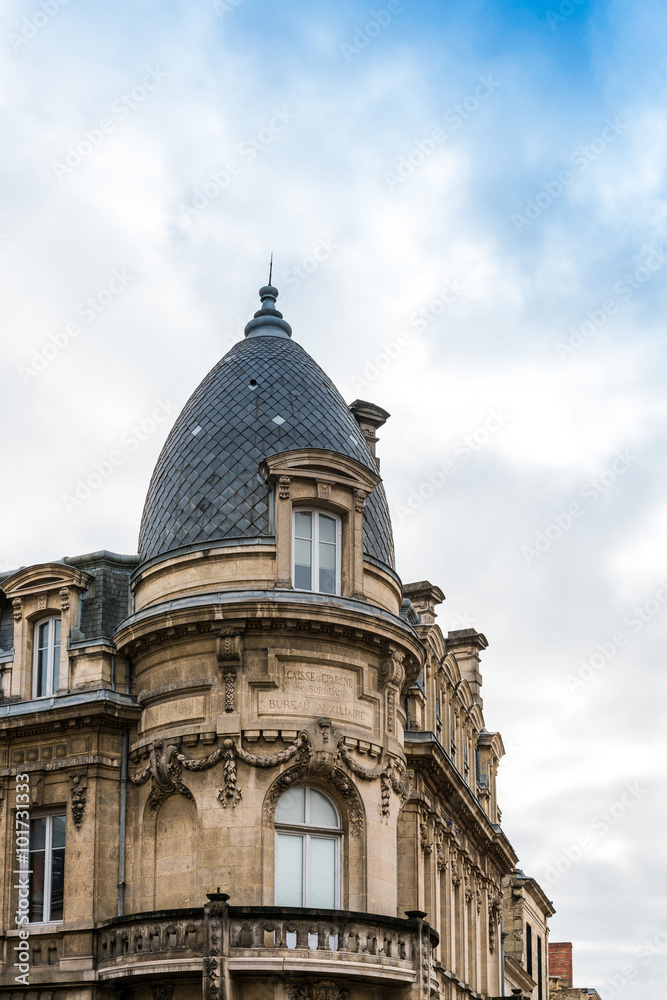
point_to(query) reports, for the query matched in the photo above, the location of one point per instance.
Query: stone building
(246, 762)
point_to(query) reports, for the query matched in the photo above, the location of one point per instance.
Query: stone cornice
(291, 611)
(428, 759)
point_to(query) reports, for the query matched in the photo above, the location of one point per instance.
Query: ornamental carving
(229, 653)
(494, 916)
(283, 487)
(166, 765)
(392, 775)
(323, 989)
(79, 782)
(359, 500)
(162, 991)
(391, 669)
(17, 605)
(64, 599)
(323, 491)
(41, 602)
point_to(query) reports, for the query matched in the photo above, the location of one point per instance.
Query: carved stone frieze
(163, 990)
(284, 487)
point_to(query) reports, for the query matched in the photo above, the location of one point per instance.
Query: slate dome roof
(265, 396)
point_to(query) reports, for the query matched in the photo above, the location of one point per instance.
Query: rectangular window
(46, 867)
(46, 670)
(539, 968)
(529, 949)
(316, 552)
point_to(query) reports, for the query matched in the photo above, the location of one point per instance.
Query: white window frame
(26, 864)
(315, 552)
(50, 669)
(308, 833)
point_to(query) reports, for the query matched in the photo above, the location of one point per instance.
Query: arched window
(316, 551)
(308, 842)
(46, 657)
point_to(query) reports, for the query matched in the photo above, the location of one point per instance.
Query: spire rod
(271, 268)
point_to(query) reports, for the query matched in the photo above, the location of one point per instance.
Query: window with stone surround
(308, 847)
(316, 551)
(46, 657)
(46, 868)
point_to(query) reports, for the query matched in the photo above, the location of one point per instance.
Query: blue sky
(499, 167)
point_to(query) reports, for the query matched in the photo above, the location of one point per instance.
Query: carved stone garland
(166, 764)
(79, 791)
(392, 775)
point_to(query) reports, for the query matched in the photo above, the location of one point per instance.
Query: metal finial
(271, 269)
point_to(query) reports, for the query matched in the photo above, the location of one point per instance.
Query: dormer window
(316, 551)
(46, 662)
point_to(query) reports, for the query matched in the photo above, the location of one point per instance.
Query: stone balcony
(230, 941)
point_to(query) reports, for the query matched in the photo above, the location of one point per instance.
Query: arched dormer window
(316, 551)
(46, 657)
(308, 847)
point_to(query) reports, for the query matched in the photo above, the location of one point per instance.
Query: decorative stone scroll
(495, 910)
(283, 487)
(17, 605)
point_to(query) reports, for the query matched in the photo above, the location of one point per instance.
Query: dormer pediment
(43, 578)
(320, 465)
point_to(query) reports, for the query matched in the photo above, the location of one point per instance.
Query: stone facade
(195, 687)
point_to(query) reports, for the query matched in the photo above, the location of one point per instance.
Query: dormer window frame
(316, 543)
(47, 672)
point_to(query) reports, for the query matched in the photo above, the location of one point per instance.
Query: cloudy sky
(467, 206)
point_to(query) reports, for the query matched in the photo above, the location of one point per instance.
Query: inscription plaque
(317, 691)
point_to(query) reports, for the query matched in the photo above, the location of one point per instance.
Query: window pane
(37, 864)
(56, 655)
(58, 836)
(289, 870)
(38, 834)
(43, 636)
(41, 673)
(303, 524)
(321, 810)
(302, 564)
(327, 568)
(57, 883)
(36, 911)
(291, 806)
(327, 529)
(322, 873)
